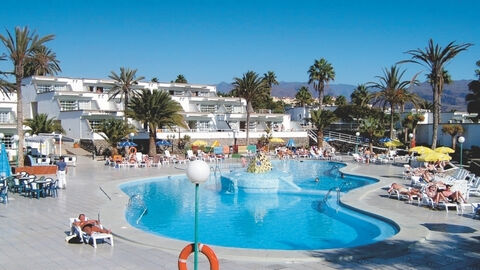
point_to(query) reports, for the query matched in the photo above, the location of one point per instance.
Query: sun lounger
(76, 230)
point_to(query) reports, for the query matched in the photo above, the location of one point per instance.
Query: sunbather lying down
(403, 190)
(90, 226)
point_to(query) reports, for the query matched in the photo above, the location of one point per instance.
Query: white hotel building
(81, 104)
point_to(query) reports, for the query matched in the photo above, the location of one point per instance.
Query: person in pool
(90, 226)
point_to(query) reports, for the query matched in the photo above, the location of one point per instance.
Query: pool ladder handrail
(143, 213)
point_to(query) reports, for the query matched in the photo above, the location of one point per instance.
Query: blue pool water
(300, 216)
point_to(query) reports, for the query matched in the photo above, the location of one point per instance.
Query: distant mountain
(453, 94)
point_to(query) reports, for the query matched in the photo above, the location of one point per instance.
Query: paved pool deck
(32, 231)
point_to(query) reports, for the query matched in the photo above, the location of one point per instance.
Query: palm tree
(360, 96)
(154, 80)
(303, 97)
(181, 79)
(322, 119)
(124, 87)
(270, 80)
(320, 73)
(155, 109)
(391, 90)
(453, 130)
(473, 99)
(248, 87)
(5, 87)
(42, 124)
(341, 100)
(113, 131)
(425, 105)
(435, 58)
(44, 61)
(21, 46)
(371, 128)
(328, 100)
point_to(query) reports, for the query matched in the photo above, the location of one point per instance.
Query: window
(208, 108)
(8, 141)
(68, 105)
(203, 125)
(5, 117)
(95, 124)
(44, 88)
(229, 108)
(84, 105)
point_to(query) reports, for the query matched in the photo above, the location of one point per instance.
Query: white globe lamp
(461, 140)
(198, 171)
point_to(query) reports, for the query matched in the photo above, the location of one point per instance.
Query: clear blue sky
(213, 41)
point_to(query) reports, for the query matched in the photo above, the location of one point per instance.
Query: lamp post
(60, 144)
(461, 140)
(356, 140)
(198, 172)
(15, 139)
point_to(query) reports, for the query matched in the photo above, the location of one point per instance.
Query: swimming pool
(300, 216)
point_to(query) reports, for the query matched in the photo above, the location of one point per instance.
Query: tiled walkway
(32, 231)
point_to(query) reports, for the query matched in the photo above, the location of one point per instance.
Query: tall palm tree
(270, 80)
(113, 131)
(124, 86)
(21, 46)
(435, 58)
(320, 73)
(155, 109)
(303, 97)
(322, 119)
(43, 61)
(40, 123)
(473, 98)
(181, 79)
(391, 89)
(360, 96)
(248, 87)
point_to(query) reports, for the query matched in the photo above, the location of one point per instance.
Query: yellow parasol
(393, 143)
(199, 143)
(444, 150)
(434, 156)
(420, 149)
(216, 143)
(277, 140)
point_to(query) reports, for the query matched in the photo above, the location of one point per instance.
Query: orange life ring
(206, 250)
(132, 150)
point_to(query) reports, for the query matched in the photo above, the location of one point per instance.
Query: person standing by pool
(62, 173)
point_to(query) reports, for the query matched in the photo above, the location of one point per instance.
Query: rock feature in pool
(259, 178)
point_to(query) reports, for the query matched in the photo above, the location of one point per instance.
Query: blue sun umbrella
(126, 143)
(5, 169)
(290, 143)
(163, 143)
(384, 140)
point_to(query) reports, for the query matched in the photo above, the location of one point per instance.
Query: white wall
(471, 134)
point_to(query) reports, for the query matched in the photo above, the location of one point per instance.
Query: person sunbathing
(90, 226)
(403, 190)
(448, 195)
